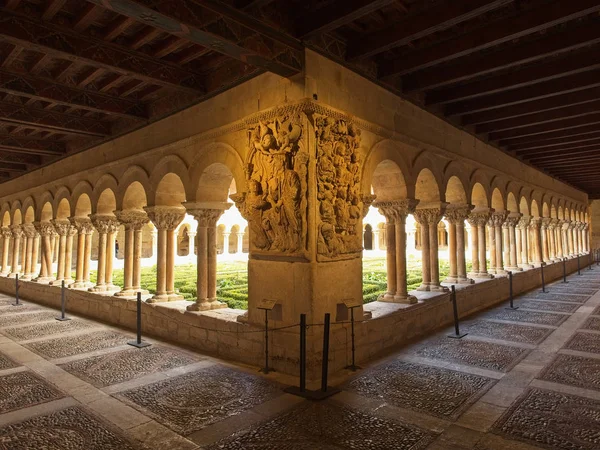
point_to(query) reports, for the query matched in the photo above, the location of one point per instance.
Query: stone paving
(520, 379)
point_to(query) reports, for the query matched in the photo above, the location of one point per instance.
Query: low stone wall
(220, 334)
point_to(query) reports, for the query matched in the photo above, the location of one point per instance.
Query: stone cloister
(303, 173)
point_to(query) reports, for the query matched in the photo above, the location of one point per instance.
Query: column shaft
(392, 286)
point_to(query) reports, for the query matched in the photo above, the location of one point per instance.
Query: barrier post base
(139, 344)
(317, 394)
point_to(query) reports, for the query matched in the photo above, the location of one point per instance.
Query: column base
(25, 278)
(131, 292)
(175, 297)
(206, 304)
(424, 287)
(85, 285)
(537, 265)
(104, 288)
(43, 280)
(501, 272)
(57, 282)
(402, 298)
(466, 281)
(526, 266)
(482, 275)
(13, 275)
(438, 288)
(158, 298)
(3, 274)
(514, 269)
(451, 280)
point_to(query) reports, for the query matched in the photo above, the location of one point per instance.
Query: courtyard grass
(232, 279)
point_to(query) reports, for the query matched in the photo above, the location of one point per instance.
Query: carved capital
(535, 223)
(82, 225)
(498, 218)
(61, 226)
(458, 214)
(17, 231)
(132, 219)
(239, 199)
(206, 217)
(165, 217)
(29, 230)
(45, 228)
(104, 223)
(479, 218)
(523, 222)
(546, 222)
(367, 201)
(512, 220)
(6, 232)
(397, 210)
(428, 216)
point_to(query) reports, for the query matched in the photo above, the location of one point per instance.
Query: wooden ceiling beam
(532, 21)
(337, 14)
(558, 125)
(52, 7)
(566, 149)
(542, 90)
(12, 56)
(529, 75)
(533, 106)
(418, 26)
(86, 17)
(118, 27)
(556, 143)
(21, 115)
(77, 47)
(29, 146)
(11, 157)
(169, 46)
(183, 19)
(570, 133)
(11, 4)
(89, 76)
(551, 156)
(540, 117)
(572, 162)
(47, 90)
(14, 168)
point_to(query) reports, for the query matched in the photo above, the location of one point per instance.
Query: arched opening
(183, 240)
(454, 236)
(368, 237)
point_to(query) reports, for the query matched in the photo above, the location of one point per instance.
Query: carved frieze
(275, 202)
(341, 205)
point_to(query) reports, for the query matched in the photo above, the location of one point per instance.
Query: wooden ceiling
(523, 75)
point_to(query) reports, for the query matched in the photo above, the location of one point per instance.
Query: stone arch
(393, 152)
(134, 197)
(63, 209)
(104, 183)
(5, 218)
(553, 211)
(106, 203)
(81, 188)
(174, 165)
(479, 196)
(427, 187)
(535, 209)
(46, 197)
(83, 206)
(17, 218)
(183, 240)
(498, 200)
(456, 193)
(170, 191)
(47, 212)
(478, 176)
(29, 214)
(524, 206)
(561, 213)
(212, 159)
(388, 182)
(425, 163)
(511, 203)
(15, 211)
(62, 193)
(134, 175)
(545, 210)
(215, 183)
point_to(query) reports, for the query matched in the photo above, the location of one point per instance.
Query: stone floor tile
(325, 425)
(10, 309)
(557, 296)
(72, 345)
(507, 331)
(117, 367)
(481, 416)
(46, 329)
(118, 413)
(69, 428)
(574, 371)
(190, 402)
(552, 420)
(541, 305)
(542, 318)
(439, 392)
(473, 352)
(6, 362)
(456, 438)
(7, 320)
(157, 436)
(22, 389)
(584, 342)
(593, 323)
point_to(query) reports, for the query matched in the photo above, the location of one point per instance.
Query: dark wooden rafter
(27, 145)
(504, 30)
(88, 15)
(337, 14)
(12, 167)
(45, 89)
(556, 134)
(22, 115)
(420, 25)
(565, 149)
(65, 44)
(181, 18)
(11, 4)
(52, 8)
(558, 125)
(118, 27)
(556, 142)
(12, 56)
(10, 157)
(581, 160)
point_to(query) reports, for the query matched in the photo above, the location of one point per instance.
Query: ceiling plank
(564, 149)
(7, 156)
(11, 4)
(12, 56)
(569, 162)
(89, 76)
(182, 20)
(337, 14)
(541, 117)
(64, 44)
(565, 155)
(52, 7)
(118, 27)
(547, 127)
(573, 132)
(522, 24)
(31, 146)
(542, 90)
(418, 26)
(533, 74)
(169, 46)
(22, 115)
(45, 89)
(556, 142)
(86, 17)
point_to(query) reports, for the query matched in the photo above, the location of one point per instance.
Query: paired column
(46, 232)
(133, 221)
(523, 230)
(513, 243)
(106, 226)
(429, 218)
(478, 220)
(166, 219)
(535, 227)
(62, 227)
(206, 281)
(586, 238)
(497, 220)
(456, 217)
(558, 238)
(395, 213)
(240, 242)
(545, 239)
(569, 238)
(28, 262)
(84, 229)
(6, 238)
(17, 234)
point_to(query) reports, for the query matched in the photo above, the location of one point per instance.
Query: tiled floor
(521, 379)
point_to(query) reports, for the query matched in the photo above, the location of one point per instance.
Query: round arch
(386, 150)
(174, 165)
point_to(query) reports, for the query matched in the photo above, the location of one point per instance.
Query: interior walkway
(520, 379)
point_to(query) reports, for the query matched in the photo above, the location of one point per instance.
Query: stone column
(375, 239)
(35, 253)
(491, 235)
(165, 219)
(480, 219)
(207, 215)
(523, 227)
(545, 239)
(192, 243)
(456, 217)
(6, 237)
(535, 227)
(474, 247)
(514, 243)
(62, 227)
(551, 240)
(84, 228)
(26, 259)
(133, 221)
(46, 231)
(429, 218)
(226, 243)
(17, 234)
(586, 238)
(106, 225)
(497, 219)
(569, 239)
(580, 237)
(69, 256)
(395, 213)
(240, 242)
(559, 239)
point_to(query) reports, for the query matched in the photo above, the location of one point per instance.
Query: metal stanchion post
(543, 280)
(510, 291)
(578, 266)
(325, 362)
(138, 342)
(16, 303)
(62, 317)
(267, 305)
(457, 334)
(564, 270)
(301, 390)
(353, 367)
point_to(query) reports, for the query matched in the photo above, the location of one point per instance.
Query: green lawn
(232, 280)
